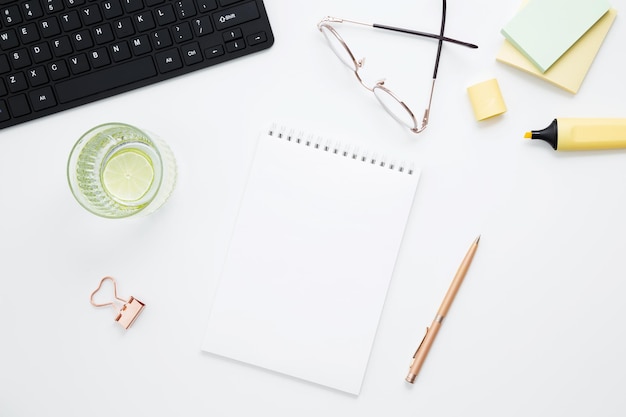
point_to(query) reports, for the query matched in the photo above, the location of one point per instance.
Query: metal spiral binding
(336, 148)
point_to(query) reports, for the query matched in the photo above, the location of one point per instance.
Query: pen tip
(528, 135)
(478, 239)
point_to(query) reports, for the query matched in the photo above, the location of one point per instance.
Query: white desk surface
(537, 328)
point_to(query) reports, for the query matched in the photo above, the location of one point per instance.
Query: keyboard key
(232, 34)
(4, 64)
(91, 15)
(165, 15)
(141, 45)
(79, 64)
(70, 21)
(32, 9)
(185, 9)
(28, 33)
(168, 60)
(82, 40)
(206, 5)
(42, 98)
(236, 16)
(74, 3)
(228, 2)
(11, 15)
(103, 34)
(49, 27)
(4, 112)
(235, 46)
(202, 26)
(124, 27)
(145, 21)
(120, 51)
(58, 70)
(191, 53)
(8, 40)
(41, 53)
(62, 46)
(37, 76)
(99, 58)
(54, 5)
(182, 32)
(18, 105)
(20, 58)
(123, 74)
(257, 38)
(161, 39)
(132, 6)
(112, 9)
(214, 51)
(17, 82)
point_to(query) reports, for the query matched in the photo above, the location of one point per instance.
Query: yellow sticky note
(570, 70)
(486, 99)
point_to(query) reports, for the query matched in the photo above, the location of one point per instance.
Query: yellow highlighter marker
(570, 134)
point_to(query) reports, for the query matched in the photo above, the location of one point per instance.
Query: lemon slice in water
(128, 175)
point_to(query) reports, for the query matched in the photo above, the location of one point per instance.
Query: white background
(537, 328)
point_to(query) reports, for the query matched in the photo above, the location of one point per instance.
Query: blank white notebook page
(310, 261)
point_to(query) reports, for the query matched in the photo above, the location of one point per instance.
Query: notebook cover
(545, 29)
(310, 261)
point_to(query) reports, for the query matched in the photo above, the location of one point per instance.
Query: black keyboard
(59, 54)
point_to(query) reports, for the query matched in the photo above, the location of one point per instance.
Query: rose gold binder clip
(128, 312)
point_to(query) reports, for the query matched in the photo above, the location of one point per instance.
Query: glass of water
(116, 170)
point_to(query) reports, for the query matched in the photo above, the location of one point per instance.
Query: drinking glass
(116, 170)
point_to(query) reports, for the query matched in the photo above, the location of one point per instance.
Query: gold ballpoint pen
(431, 332)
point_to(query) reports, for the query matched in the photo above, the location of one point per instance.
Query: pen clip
(421, 343)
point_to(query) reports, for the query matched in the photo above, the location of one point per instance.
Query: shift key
(236, 15)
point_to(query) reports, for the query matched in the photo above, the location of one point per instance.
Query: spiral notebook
(310, 259)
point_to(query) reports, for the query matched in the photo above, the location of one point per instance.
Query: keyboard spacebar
(106, 79)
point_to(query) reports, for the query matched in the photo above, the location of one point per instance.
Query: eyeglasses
(389, 100)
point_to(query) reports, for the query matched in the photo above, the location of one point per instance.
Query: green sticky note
(545, 29)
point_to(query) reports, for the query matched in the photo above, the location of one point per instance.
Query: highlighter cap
(486, 99)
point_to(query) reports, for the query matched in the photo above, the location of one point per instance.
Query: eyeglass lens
(395, 107)
(339, 47)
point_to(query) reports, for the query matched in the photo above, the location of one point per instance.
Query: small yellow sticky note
(486, 99)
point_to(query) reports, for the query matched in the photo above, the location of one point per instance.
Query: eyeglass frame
(325, 23)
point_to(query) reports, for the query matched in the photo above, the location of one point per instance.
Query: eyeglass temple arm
(396, 29)
(425, 34)
(432, 87)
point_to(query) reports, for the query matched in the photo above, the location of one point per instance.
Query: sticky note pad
(545, 29)
(486, 99)
(570, 70)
